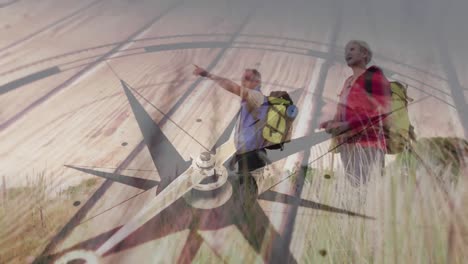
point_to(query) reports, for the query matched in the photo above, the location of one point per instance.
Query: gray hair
(256, 74)
(364, 47)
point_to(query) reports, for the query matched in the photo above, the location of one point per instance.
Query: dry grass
(420, 216)
(413, 219)
(30, 216)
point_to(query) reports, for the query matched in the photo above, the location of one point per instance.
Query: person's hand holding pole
(335, 127)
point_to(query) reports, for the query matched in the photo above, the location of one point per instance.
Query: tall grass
(420, 215)
(34, 213)
(418, 210)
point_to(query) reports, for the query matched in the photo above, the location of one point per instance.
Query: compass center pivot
(214, 176)
(214, 190)
(205, 161)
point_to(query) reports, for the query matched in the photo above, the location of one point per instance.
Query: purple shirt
(248, 133)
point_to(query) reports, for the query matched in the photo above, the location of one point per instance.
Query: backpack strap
(368, 81)
(368, 75)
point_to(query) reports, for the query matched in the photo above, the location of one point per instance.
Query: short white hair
(364, 46)
(256, 74)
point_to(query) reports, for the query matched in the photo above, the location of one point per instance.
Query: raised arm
(221, 81)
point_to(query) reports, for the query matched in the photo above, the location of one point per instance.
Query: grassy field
(30, 216)
(418, 210)
(419, 213)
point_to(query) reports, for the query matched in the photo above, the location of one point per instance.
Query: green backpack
(398, 129)
(280, 114)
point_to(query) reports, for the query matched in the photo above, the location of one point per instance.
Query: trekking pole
(331, 173)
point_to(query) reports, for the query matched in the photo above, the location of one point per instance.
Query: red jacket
(368, 98)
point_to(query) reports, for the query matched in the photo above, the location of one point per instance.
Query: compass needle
(225, 151)
(175, 190)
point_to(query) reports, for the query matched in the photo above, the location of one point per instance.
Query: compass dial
(99, 94)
